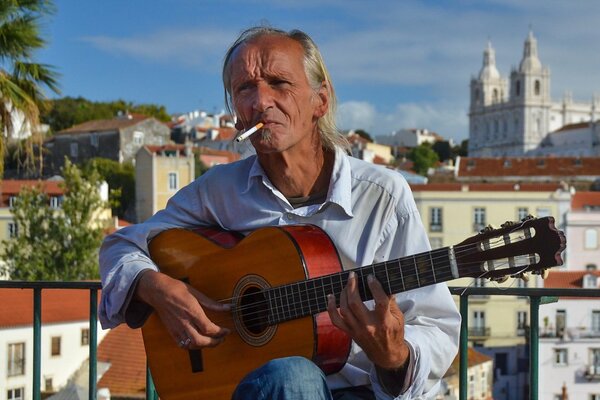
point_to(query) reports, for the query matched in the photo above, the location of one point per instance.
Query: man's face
(269, 85)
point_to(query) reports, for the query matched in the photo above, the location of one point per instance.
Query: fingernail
(351, 275)
(370, 278)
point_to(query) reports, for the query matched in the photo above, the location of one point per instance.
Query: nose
(263, 97)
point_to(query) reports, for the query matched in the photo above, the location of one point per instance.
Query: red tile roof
(123, 348)
(469, 167)
(578, 125)
(223, 133)
(104, 125)
(581, 200)
(568, 280)
(14, 186)
(58, 305)
(167, 147)
(486, 187)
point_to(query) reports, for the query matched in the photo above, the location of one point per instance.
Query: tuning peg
(508, 224)
(544, 273)
(528, 217)
(488, 228)
(525, 277)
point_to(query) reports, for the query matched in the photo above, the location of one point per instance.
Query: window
(173, 181)
(56, 201)
(11, 201)
(522, 212)
(472, 386)
(55, 346)
(537, 88)
(479, 218)
(478, 282)
(138, 138)
(521, 323)
(74, 150)
(561, 357)
(595, 396)
(49, 385)
(594, 362)
(13, 230)
(561, 322)
(590, 281)
(435, 222)
(478, 324)
(15, 394)
(591, 239)
(16, 359)
(595, 325)
(85, 336)
(484, 386)
(94, 139)
(518, 88)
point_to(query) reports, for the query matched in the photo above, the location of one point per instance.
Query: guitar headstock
(531, 245)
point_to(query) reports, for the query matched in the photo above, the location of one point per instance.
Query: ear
(322, 100)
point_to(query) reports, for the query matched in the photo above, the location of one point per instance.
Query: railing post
(93, 343)
(37, 343)
(534, 341)
(150, 389)
(464, 347)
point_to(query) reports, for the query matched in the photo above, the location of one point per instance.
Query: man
(402, 345)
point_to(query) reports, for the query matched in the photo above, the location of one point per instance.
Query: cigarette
(249, 132)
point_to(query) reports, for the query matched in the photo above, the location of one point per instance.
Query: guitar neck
(309, 297)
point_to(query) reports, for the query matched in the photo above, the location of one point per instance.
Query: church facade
(516, 117)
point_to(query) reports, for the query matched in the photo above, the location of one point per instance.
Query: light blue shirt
(370, 215)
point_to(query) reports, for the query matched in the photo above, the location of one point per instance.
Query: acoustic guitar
(277, 280)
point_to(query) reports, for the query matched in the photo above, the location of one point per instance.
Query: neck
(299, 175)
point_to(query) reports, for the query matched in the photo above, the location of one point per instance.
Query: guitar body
(225, 267)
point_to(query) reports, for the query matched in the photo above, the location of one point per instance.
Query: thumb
(209, 303)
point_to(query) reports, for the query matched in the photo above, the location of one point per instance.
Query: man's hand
(180, 308)
(379, 332)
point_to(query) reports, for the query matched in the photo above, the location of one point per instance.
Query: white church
(518, 118)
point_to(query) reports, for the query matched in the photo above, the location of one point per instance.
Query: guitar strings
(290, 310)
(408, 276)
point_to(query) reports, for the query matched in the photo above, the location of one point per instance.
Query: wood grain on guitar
(277, 280)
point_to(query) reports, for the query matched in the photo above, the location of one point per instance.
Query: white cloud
(448, 120)
(192, 47)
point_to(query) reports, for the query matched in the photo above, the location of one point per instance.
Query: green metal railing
(537, 297)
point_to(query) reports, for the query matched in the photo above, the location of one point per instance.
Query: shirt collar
(340, 186)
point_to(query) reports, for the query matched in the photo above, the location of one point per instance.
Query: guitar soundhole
(251, 311)
(254, 311)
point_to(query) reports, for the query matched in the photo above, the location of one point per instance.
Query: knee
(298, 368)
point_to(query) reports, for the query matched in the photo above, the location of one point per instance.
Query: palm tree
(22, 79)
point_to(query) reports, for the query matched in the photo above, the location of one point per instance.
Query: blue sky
(394, 64)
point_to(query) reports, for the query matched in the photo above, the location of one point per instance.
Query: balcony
(479, 332)
(536, 298)
(435, 228)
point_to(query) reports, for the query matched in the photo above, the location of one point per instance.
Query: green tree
(121, 181)
(56, 243)
(68, 111)
(21, 79)
(423, 158)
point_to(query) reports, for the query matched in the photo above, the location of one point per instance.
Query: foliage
(68, 111)
(423, 158)
(120, 179)
(56, 243)
(22, 79)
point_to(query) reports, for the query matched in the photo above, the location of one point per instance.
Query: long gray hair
(315, 70)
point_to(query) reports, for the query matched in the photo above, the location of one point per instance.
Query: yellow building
(160, 171)
(453, 212)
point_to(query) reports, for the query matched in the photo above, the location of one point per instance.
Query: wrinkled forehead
(263, 51)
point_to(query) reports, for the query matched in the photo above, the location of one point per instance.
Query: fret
(432, 267)
(417, 271)
(270, 317)
(279, 305)
(387, 278)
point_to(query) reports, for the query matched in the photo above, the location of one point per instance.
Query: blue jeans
(292, 378)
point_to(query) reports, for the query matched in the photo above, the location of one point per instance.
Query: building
(582, 230)
(65, 339)
(160, 171)
(117, 139)
(479, 375)
(513, 118)
(569, 348)
(452, 213)
(409, 138)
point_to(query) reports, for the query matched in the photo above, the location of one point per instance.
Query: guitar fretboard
(309, 297)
